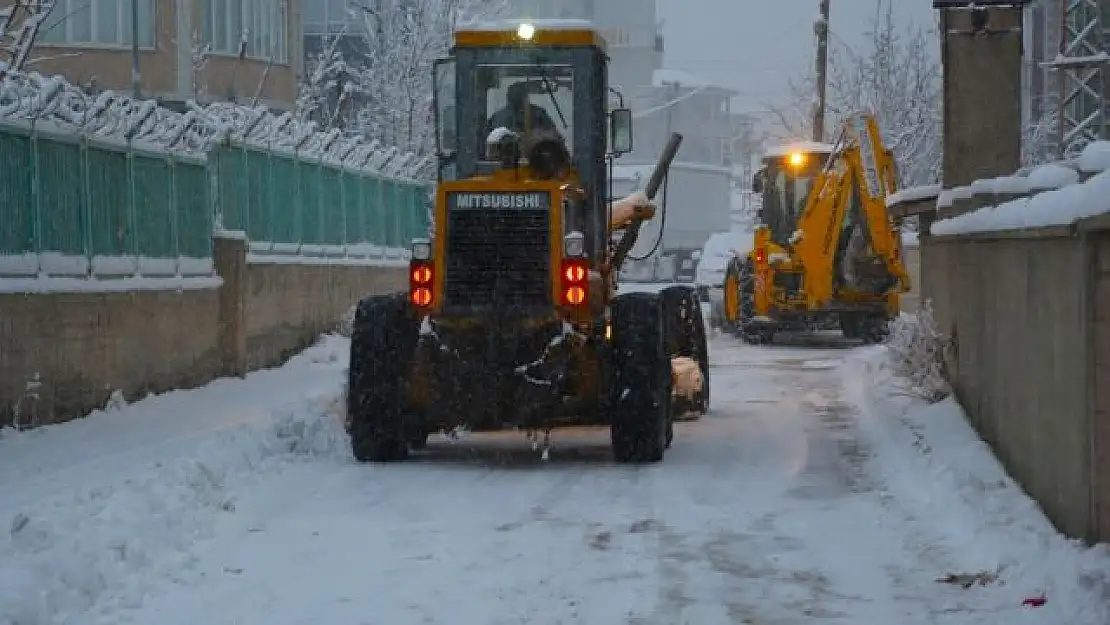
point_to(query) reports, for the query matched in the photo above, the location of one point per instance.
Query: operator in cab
(517, 108)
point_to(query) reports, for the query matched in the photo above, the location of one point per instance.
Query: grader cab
(511, 319)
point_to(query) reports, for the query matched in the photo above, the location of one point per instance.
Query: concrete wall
(1100, 427)
(1019, 308)
(288, 306)
(911, 302)
(85, 345)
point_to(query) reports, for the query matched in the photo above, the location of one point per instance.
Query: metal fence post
(132, 216)
(343, 207)
(175, 228)
(87, 204)
(298, 202)
(36, 195)
(321, 213)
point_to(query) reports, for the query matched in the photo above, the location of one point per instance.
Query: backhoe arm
(819, 226)
(875, 178)
(860, 166)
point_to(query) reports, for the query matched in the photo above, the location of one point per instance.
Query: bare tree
(384, 80)
(18, 41)
(896, 76)
(1040, 138)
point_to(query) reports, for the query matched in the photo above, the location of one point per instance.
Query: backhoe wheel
(851, 325)
(751, 333)
(383, 343)
(686, 336)
(874, 329)
(640, 407)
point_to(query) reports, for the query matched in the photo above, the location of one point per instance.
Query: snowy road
(804, 497)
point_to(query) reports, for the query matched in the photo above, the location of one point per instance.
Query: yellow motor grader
(511, 319)
(827, 249)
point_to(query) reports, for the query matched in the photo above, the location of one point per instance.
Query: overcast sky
(756, 46)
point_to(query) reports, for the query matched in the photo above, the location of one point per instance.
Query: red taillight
(421, 276)
(760, 255)
(576, 273)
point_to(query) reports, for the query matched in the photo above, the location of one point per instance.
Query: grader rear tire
(640, 406)
(383, 343)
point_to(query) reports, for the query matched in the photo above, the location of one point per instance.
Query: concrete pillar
(229, 254)
(982, 55)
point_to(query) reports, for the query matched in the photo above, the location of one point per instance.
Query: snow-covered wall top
(51, 103)
(913, 194)
(1056, 194)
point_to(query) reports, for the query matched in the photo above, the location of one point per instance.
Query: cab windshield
(528, 100)
(792, 191)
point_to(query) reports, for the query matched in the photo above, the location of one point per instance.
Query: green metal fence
(278, 198)
(71, 205)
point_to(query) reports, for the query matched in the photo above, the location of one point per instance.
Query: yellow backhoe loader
(827, 249)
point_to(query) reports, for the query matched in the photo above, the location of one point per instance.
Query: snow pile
(101, 540)
(948, 197)
(1063, 200)
(1095, 157)
(913, 194)
(1052, 176)
(968, 497)
(1060, 207)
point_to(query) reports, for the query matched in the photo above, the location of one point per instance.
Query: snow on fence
(1054, 194)
(115, 187)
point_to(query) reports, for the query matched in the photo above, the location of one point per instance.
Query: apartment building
(208, 50)
(683, 102)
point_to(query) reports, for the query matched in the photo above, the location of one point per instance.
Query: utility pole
(821, 29)
(135, 48)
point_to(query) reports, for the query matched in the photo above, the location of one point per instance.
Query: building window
(98, 22)
(259, 24)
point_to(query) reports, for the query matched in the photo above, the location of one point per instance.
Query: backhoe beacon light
(797, 158)
(526, 31)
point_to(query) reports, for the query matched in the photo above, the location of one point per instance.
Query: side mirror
(620, 131)
(757, 183)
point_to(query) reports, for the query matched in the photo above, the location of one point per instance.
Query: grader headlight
(526, 31)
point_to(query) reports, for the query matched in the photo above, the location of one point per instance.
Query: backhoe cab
(511, 318)
(827, 250)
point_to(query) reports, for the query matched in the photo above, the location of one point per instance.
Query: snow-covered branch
(379, 82)
(896, 76)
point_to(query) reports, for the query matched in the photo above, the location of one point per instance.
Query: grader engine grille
(497, 251)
